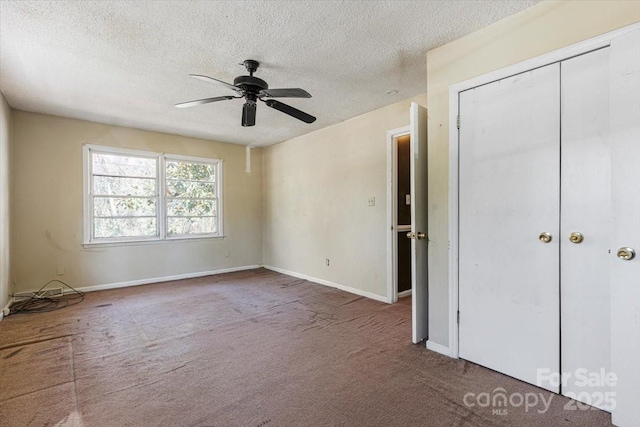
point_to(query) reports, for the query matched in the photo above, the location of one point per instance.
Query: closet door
(585, 227)
(625, 271)
(509, 193)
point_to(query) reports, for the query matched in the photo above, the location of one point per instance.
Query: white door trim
(392, 212)
(454, 90)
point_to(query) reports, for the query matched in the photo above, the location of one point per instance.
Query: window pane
(109, 185)
(124, 227)
(123, 206)
(190, 189)
(122, 165)
(126, 202)
(191, 207)
(190, 225)
(191, 200)
(191, 171)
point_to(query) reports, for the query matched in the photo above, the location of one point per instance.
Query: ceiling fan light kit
(253, 89)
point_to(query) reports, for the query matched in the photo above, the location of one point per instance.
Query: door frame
(580, 48)
(392, 212)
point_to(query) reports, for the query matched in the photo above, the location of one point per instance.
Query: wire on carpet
(38, 303)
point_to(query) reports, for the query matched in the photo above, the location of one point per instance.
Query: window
(139, 196)
(190, 197)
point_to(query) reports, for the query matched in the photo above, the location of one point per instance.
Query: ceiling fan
(253, 89)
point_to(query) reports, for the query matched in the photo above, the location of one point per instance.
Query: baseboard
(439, 348)
(164, 279)
(404, 293)
(328, 283)
(151, 280)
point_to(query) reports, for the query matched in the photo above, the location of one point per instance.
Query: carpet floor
(253, 348)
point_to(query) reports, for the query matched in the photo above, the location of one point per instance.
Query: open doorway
(399, 205)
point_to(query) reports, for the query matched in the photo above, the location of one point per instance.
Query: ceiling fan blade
(285, 93)
(219, 82)
(249, 114)
(203, 101)
(293, 112)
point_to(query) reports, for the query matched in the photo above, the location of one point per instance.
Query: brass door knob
(545, 237)
(576, 237)
(626, 254)
(419, 235)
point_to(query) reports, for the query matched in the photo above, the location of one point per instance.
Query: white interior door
(419, 242)
(625, 187)
(586, 214)
(509, 166)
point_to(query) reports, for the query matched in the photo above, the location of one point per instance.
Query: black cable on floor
(36, 304)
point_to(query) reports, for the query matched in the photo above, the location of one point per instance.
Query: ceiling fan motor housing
(250, 85)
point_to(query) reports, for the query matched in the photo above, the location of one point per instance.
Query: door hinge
(458, 121)
(458, 317)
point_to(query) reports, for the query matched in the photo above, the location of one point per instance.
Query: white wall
(316, 188)
(5, 196)
(315, 196)
(533, 32)
(47, 216)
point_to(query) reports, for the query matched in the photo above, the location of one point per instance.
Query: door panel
(625, 188)
(419, 246)
(586, 209)
(509, 163)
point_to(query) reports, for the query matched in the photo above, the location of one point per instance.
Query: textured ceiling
(127, 62)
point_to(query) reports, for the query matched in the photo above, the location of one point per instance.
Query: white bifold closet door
(586, 209)
(535, 226)
(625, 189)
(509, 193)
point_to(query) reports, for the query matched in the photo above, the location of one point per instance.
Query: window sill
(91, 245)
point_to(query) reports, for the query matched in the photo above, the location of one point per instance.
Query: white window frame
(161, 199)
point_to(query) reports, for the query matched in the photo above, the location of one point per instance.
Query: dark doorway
(403, 144)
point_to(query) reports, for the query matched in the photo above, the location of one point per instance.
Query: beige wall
(533, 32)
(5, 195)
(47, 213)
(316, 188)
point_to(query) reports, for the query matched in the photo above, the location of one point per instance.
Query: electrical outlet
(327, 262)
(61, 270)
(371, 201)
